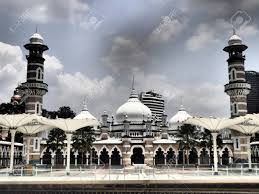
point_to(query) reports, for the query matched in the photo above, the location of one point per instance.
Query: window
(233, 74)
(36, 144)
(39, 74)
(37, 108)
(235, 108)
(237, 143)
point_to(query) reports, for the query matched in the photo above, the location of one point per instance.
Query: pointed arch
(103, 147)
(115, 146)
(222, 150)
(157, 150)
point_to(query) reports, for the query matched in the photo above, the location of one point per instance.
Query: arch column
(53, 158)
(28, 150)
(13, 131)
(215, 153)
(69, 137)
(249, 153)
(87, 162)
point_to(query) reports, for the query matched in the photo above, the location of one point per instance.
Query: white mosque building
(133, 136)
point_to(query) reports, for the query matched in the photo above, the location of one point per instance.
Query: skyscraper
(154, 102)
(252, 77)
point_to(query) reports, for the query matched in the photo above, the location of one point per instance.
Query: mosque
(134, 135)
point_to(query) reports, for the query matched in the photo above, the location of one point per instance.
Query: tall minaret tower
(237, 88)
(34, 87)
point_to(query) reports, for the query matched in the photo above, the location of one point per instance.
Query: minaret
(237, 88)
(34, 87)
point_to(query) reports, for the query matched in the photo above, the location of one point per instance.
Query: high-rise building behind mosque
(252, 77)
(154, 102)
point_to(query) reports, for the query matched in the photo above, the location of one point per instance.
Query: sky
(96, 46)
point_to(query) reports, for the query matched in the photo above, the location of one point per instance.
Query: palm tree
(56, 139)
(186, 139)
(82, 140)
(206, 141)
(57, 136)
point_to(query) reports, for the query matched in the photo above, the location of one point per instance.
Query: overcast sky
(173, 47)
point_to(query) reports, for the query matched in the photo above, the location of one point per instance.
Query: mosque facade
(134, 135)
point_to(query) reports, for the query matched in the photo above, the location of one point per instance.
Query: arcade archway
(137, 156)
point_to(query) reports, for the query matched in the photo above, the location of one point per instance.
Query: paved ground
(120, 181)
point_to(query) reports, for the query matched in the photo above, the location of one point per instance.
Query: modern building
(252, 77)
(154, 102)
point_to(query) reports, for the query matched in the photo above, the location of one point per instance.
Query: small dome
(133, 110)
(85, 114)
(179, 117)
(36, 39)
(234, 40)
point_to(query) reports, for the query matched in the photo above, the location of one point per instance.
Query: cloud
(126, 54)
(12, 69)
(46, 11)
(208, 34)
(52, 64)
(203, 37)
(168, 29)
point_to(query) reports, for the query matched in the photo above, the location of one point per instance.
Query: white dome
(234, 40)
(179, 117)
(36, 39)
(85, 114)
(133, 110)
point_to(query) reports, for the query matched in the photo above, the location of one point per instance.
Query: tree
(65, 112)
(187, 138)
(82, 140)
(207, 142)
(9, 108)
(57, 136)
(56, 139)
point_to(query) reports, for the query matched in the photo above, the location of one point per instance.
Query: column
(199, 160)
(75, 160)
(69, 136)
(214, 135)
(13, 131)
(28, 150)
(87, 155)
(249, 153)
(165, 159)
(110, 161)
(53, 159)
(176, 159)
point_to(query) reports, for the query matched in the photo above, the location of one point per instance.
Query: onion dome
(85, 114)
(16, 97)
(36, 39)
(234, 39)
(133, 110)
(179, 117)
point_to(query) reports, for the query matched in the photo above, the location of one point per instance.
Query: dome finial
(84, 105)
(133, 82)
(234, 31)
(36, 30)
(133, 93)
